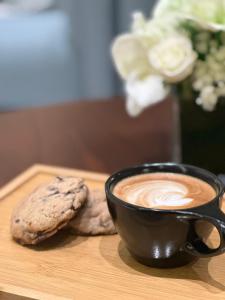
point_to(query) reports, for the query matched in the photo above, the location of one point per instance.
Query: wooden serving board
(69, 267)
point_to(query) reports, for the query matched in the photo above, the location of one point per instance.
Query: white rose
(130, 51)
(143, 93)
(208, 14)
(163, 7)
(130, 56)
(173, 58)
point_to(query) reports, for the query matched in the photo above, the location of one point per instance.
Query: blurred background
(53, 51)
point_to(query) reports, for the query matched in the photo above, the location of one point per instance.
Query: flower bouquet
(182, 48)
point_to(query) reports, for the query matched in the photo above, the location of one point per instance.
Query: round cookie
(94, 217)
(48, 209)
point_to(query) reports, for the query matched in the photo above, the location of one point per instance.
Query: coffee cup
(168, 237)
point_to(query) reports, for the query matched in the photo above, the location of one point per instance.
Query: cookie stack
(66, 201)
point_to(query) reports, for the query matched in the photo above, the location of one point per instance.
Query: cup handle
(216, 217)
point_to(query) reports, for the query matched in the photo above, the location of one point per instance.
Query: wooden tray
(68, 267)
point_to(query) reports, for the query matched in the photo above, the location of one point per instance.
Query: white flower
(164, 7)
(208, 98)
(143, 93)
(220, 54)
(202, 47)
(154, 29)
(202, 42)
(130, 56)
(208, 14)
(139, 23)
(130, 51)
(173, 58)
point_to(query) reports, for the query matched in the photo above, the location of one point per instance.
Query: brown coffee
(164, 191)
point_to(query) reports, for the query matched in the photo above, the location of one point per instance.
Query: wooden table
(92, 135)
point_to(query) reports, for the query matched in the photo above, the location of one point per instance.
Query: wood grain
(68, 267)
(92, 135)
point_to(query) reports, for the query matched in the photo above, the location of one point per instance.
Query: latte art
(164, 191)
(157, 193)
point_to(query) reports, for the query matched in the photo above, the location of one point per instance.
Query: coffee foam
(164, 190)
(157, 193)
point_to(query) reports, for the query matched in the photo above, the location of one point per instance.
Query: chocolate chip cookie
(94, 217)
(48, 209)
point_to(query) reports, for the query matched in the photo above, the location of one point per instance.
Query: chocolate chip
(39, 233)
(52, 188)
(17, 221)
(59, 178)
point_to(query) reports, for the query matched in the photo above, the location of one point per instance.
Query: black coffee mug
(167, 238)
